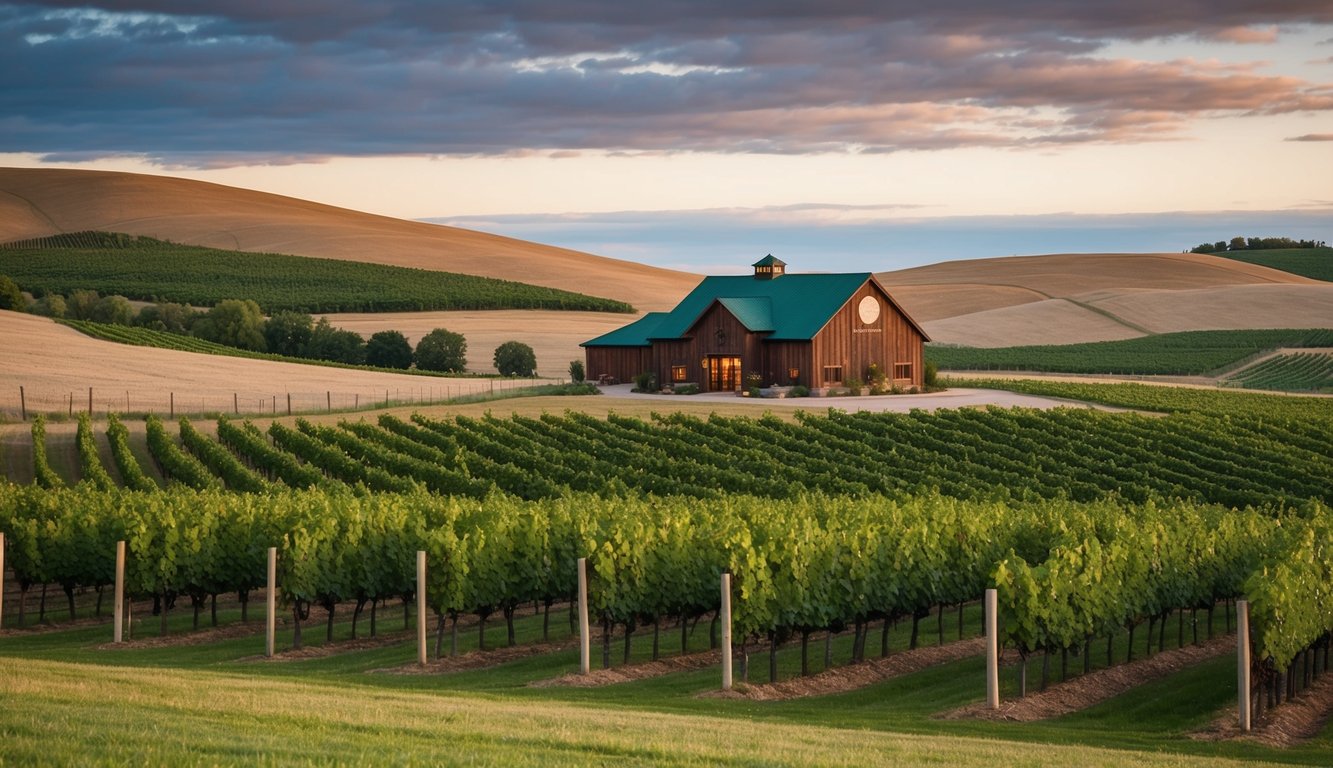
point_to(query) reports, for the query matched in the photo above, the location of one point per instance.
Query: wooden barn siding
(894, 342)
(779, 356)
(910, 346)
(703, 342)
(622, 362)
(669, 353)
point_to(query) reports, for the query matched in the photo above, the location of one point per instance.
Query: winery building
(817, 330)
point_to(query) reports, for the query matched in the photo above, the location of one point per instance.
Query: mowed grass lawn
(67, 700)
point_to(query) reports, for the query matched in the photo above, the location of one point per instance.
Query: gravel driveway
(952, 398)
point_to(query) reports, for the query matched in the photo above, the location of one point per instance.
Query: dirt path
(1295, 721)
(1086, 690)
(852, 677)
(192, 637)
(491, 657)
(629, 673)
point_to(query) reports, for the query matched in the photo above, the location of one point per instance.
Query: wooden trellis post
(585, 642)
(726, 631)
(118, 612)
(1243, 662)
(992, 650)
(271, 628)
(421, 608)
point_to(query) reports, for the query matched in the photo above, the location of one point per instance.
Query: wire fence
(22, 402)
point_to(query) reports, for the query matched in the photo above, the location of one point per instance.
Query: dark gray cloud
(237, 81)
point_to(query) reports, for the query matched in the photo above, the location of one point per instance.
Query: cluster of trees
(240, 323)
(1255, 244)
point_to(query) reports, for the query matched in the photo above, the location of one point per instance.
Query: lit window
(678, 373)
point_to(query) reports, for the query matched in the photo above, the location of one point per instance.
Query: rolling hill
(1050, 299)
(40, 202)
(1070, 298)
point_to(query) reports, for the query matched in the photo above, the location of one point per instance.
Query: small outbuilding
(774, 328)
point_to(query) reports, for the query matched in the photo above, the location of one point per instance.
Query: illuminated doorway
(724, 373)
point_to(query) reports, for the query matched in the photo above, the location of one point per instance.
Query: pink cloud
(1245, 35)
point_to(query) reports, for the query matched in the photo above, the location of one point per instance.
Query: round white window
(868, 310)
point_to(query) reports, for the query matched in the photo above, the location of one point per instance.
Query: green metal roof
(769, 261)
(798, 305)
(755, 313)
(636, 334)
(787, 308)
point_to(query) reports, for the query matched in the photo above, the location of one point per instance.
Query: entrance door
(724, 373)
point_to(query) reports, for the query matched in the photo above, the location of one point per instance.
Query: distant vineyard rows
(147, 269)
(1167, 399)
(1315, 263)
(1302, 372)
(1188, 353)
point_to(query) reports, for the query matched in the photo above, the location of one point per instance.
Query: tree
(1237, 243)
(235, 323)
(50, 305)
(576, 372)
(288, 333)
(166, 316)
(80, 304)
(329, 343)
(389, 349)
(115, 310)
(10, 295)
(514, 358)
(442, 350)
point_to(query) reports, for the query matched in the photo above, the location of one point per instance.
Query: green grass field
(1189, 353)
(147, 269)
(1308, 262)
(71, 700)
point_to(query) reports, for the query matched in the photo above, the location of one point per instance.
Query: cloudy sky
(836, 134)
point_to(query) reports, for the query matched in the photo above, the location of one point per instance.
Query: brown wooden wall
(780, 356)
(624, 363)
(854, 345)
(704, 341)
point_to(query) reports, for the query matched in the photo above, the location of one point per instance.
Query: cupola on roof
(769, 267)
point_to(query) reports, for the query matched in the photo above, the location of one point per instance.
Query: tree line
(241, 324)
(1255, 244)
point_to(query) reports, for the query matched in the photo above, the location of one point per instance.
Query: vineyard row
(1066, 572)
(995, 453)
